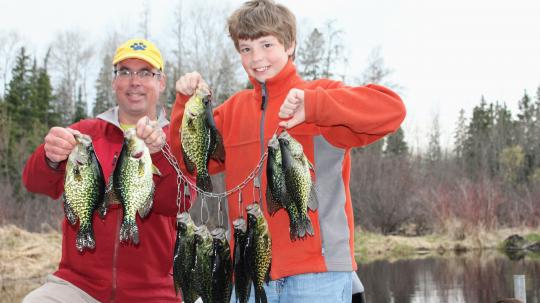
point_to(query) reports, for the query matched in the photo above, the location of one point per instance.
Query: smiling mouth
(262, 69)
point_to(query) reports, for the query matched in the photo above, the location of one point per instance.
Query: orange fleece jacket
(338, 118)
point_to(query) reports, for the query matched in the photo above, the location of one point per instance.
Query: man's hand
(151, 133)
(59, 143)
(293, 108)
(188, 83)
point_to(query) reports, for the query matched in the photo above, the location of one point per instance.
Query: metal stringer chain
(180, 177)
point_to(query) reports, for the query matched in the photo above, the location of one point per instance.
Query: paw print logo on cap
(138, 46)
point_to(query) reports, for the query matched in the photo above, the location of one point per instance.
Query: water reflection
(471, 278)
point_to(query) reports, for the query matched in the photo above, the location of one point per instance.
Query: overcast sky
(445, 54)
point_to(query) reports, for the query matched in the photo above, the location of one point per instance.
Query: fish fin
(129, 232)
(156, 171)
(204, 182)
(190, 166)
(85, 238)
(313, 202)
(308, 227)
(147, 206)
(110, 196)
(68, 211)
(218, 153)
(271, 203)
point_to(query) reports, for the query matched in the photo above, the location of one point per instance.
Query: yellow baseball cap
(139, 49)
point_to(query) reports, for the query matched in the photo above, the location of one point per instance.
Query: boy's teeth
(261, 69)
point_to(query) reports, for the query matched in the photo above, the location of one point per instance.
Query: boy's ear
(290, 50)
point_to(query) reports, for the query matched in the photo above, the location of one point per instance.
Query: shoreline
(370, 247)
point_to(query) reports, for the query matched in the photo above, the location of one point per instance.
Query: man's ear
(162, 83)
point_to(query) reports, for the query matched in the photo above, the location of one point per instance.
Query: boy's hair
(258, 18)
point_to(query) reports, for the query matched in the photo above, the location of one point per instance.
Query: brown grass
(25, 260)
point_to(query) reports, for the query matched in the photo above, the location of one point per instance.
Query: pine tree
(104, 96)
(18, 95)
(434, 152)
(310, 56)
(526, 132)
(460, 135)
(80, 107)
(478, 150)
(395, 144)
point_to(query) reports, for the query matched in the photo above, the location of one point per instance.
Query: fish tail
(260, 295)
(308, 226)
(129, 231)
(204, 182)
(85, 238)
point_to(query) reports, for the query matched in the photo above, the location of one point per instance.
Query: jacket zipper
(115, 257)
(116, 242)
(264, 104)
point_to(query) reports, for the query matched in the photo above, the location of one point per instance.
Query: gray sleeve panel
(331, 195)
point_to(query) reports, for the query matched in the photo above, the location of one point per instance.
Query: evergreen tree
(395, 144)
(104, 96)
(310, 56)
(460, 135)
(80, 107)
(18, 96)
(434, 152)
(526, 132)
(477, 151)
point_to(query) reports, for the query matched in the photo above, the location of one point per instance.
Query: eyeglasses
(143, 75)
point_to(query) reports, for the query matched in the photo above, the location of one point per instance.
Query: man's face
(263, 58)
(137, 96)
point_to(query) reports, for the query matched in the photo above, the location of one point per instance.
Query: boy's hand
(188, 83)
(150, 132)
(293, 108)
(59, 143)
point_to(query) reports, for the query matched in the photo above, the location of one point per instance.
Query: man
(115, 271)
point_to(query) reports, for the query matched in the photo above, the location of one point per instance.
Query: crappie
(200, 138)
(184, 257)
(242, 278)
(276, 189)
(258, 252)
(221, 267)
(300, 188)
(202, 270)
(84, 188)
(132, 181)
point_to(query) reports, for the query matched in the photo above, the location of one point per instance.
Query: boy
(325, 116)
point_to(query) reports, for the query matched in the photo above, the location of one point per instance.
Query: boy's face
(263, 58)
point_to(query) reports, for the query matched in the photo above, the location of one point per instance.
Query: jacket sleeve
(38, 177)
(176, 123)
(353, 116)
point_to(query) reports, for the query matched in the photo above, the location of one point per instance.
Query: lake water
(470, 278)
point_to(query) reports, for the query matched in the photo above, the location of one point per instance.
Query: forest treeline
(489, 178)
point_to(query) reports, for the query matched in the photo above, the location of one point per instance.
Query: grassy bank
(370, 247)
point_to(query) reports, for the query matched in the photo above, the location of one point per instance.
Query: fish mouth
(138, 155)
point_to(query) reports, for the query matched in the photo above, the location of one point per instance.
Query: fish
(201, 141)
(221, 267)
(184, 257)
(84, 189)
(133, 183)
(202, 269)
(298, 181)
(276, 190)
(258, 251)
(242, 279)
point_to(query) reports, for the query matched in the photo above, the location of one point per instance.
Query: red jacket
(337, 118)
(115, 272)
